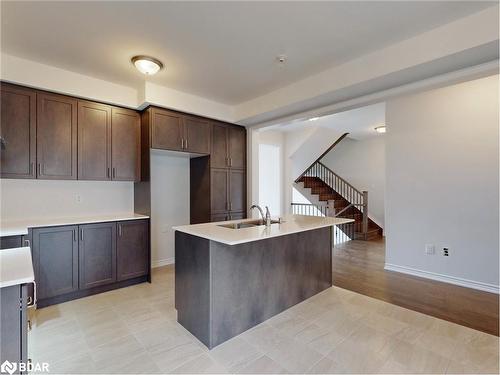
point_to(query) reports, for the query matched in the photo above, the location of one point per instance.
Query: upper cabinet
(56, 137)
(228, 146)
(126, 144)
(94, 141)
(167, 131)
(17, 132)
(178, 132)
(237, 147)
(196, 135)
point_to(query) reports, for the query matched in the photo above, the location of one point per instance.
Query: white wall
(257, 138)
(442, 183)
(362, 164)
(169, 203)
(270, 192)
(37, 199)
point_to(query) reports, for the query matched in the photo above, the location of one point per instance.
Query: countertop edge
(185, 229)
(19, 229)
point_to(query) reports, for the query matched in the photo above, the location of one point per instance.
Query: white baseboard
(162, 262)
(444, 278)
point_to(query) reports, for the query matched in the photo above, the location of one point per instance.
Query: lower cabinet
(55, 258)
(13, 325)
(133, 249)
(77, 260)
(97, 254)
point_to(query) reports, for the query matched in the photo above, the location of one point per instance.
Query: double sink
(248, 224)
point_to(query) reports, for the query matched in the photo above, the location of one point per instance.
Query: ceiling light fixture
(313, 119)
(147, 65)
(381, 129)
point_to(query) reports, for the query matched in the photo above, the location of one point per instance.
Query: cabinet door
(197, 135)
(218, 154)
(56, 137)
(219, 217)
(94, 141)
(167, 130)
(11, 324)
(237, 147)
(55, 257)
(133, 249)
(17, 132)
(126, 144)
(97, 254)
(219, 190)
(237, 189)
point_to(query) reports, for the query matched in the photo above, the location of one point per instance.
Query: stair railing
(356, 198)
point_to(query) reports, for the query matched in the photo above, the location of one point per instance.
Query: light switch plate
(430, 249)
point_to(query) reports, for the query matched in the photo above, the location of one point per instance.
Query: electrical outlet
(446, 252)
(430, 249)
(78, 198)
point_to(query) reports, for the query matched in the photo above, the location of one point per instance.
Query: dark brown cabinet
(79, 260)
(167, 131)
(218, 156)
(126, 144)
(56, 137)
(97, 254)
(237, 190)
(94, 141)
(178, 132)
(196, 135)
(17, 132)
(55, 258)
(132, 249)
(219, 192)
(228, 146)
(237, 147)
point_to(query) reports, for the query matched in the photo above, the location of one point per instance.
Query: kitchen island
(233, 275)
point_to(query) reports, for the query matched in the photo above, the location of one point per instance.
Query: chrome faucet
(267, 217)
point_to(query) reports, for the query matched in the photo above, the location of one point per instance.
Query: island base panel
(223, 290)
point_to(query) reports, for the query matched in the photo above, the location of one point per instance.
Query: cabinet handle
(114, 172)
(120, 230)
(29, 325)
(230, 162)
(27, 243)
(107, 173)
(32, 170)
(39, 169)
(81, 234)
(32, 301)
(186, 143)
(230, 206)
(74, 234)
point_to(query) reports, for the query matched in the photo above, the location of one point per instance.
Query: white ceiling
(360, 123)
(224, 51)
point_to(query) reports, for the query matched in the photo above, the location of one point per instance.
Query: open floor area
(134, 330)
(359, 266)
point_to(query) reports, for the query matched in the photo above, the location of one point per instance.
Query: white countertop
(16, 267)
(15, 228)
(291, 224)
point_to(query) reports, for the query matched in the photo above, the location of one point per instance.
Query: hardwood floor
(359, 266)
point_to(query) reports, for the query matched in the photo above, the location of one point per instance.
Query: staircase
(337, 198)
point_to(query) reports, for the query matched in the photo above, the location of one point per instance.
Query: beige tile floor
(134, 330)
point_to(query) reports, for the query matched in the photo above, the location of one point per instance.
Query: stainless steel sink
(246, 224)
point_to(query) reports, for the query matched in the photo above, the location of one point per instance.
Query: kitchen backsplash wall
(25, 199)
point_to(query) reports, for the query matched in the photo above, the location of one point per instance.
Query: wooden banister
(323, 155)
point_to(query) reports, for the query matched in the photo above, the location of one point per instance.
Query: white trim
(444, 278)
(162, 262)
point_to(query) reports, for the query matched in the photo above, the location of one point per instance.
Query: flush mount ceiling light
(313, 119)
(380, 129)
(147, 65)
